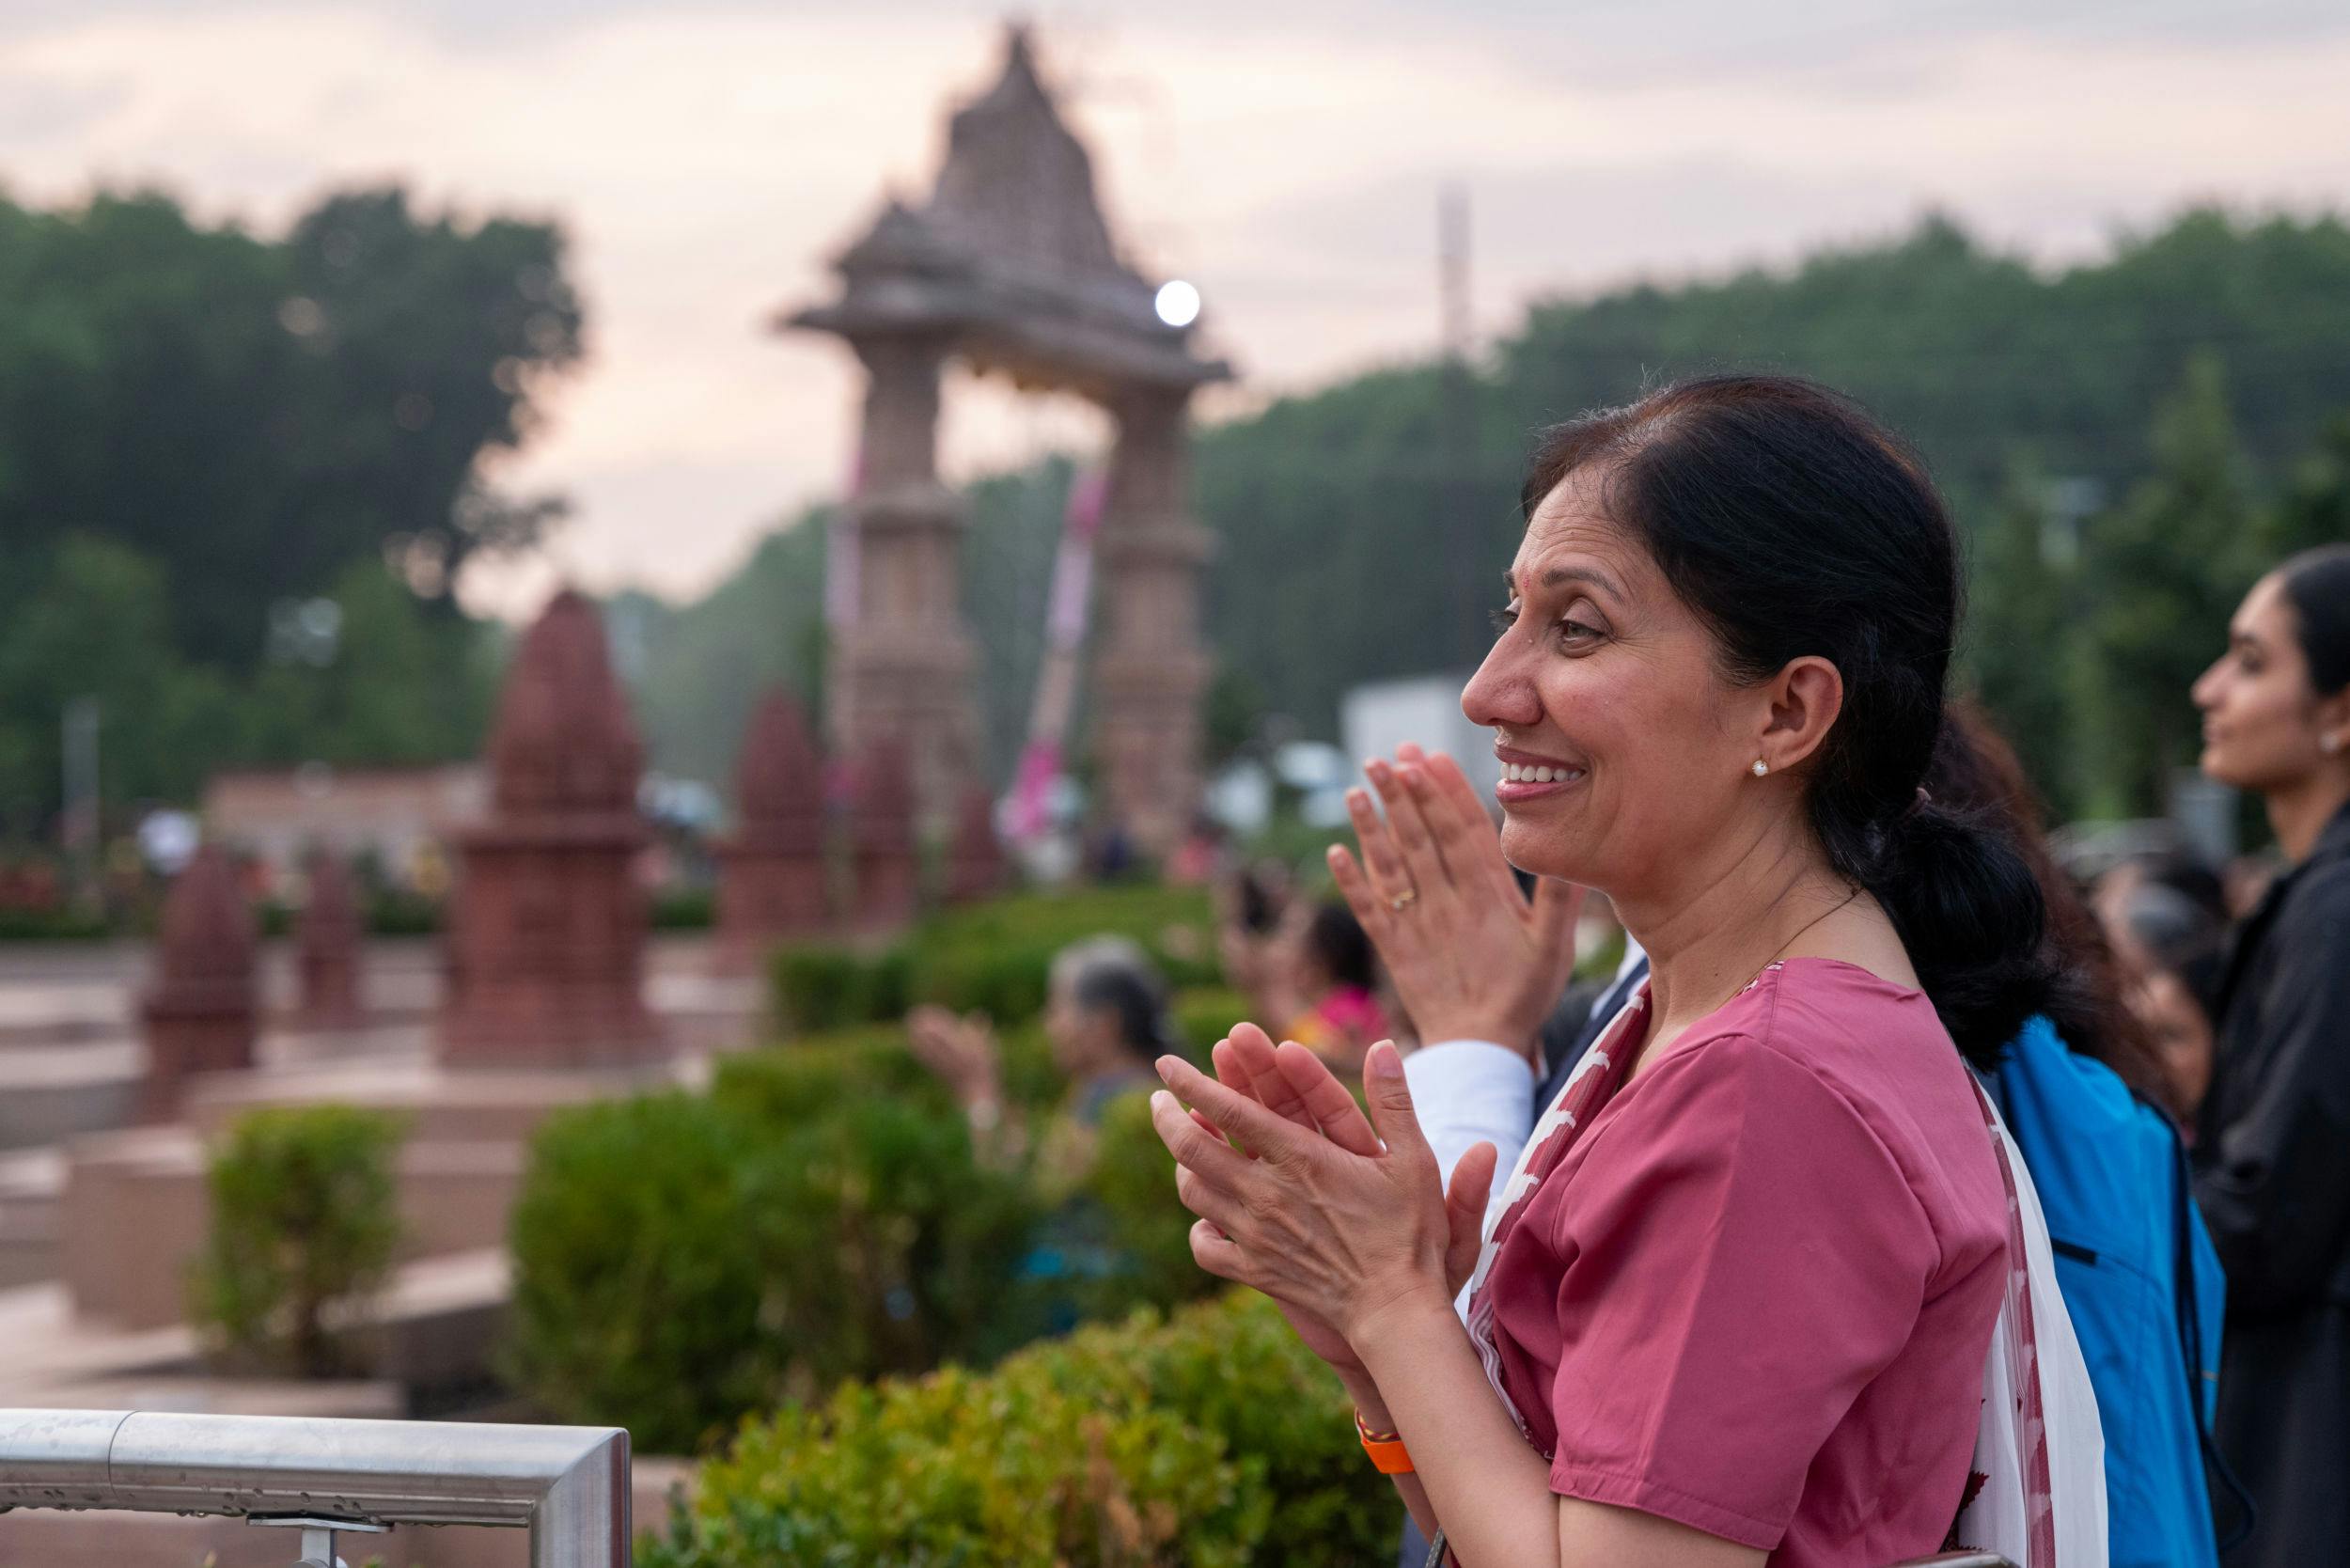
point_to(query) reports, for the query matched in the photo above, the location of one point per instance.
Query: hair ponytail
(1794, 524)
(1969, 911)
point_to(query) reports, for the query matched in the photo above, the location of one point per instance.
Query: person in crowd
(1312, 967)
(2274, 1152)
(1738, 1303)
(1107, 1020)
(2170, 948)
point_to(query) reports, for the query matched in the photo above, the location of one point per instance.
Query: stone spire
(882, 836)
(563, 740)
(975, 867)
(200, 1013)
(546, 937)
(772, 873)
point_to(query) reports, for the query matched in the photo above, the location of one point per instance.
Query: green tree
(2314, 508)
(2019, 623)
(2163, 572)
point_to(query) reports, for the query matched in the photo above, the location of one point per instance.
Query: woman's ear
(1805, 699)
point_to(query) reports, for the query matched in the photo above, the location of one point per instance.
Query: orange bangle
(1388, 1454)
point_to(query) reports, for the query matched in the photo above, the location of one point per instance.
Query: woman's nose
(2205, 692)
(1497, 695)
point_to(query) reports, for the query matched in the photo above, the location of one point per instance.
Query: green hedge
(1215, 1439)
(681, 1260)
(994, 956)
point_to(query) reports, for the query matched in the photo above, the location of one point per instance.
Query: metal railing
(568, 1485)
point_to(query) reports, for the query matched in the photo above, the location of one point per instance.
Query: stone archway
(1010, 267)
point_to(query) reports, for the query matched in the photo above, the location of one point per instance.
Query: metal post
(567, 1485)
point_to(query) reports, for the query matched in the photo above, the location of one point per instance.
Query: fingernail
(1157, 1095)
(1384, 1061)
(1166, 1069)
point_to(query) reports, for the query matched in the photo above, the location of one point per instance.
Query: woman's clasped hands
(1337, 1218)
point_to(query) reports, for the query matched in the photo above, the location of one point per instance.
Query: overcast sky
(705, 158)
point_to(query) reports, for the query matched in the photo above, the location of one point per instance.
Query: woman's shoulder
(1878, 1049)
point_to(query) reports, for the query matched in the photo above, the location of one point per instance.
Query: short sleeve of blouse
(1743, 1256)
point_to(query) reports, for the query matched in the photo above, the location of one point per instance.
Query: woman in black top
(2274, 1154)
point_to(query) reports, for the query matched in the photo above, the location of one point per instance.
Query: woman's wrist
(1406, 1318)
(1364, 1392)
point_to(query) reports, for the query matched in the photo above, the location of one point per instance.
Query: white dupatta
(2039, 1480)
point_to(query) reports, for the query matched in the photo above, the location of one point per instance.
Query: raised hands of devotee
(962, 1051)
(1315, 1207)
(1470, 957)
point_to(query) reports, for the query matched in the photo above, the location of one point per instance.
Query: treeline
(238, 474)
(2125, 441)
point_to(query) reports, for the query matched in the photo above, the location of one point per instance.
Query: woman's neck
(1713, 933)
(2298, 815)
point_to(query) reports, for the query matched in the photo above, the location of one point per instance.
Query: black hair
(1109, 974)
(2180, 938)
(1976, 771)
(1337, 943)
(2317, 585)
(1796, 524)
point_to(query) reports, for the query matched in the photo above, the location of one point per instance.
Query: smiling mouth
(1526, 780)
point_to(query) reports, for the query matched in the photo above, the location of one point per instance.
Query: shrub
(1206, 1013)
(894, 1248)
(1131, 1187)
(304, 1224)
(680, 1261)
(638, 1279)
(994, 956)
(1213, 1438)
(817, 987)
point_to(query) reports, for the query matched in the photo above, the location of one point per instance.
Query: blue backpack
(2139, 1281)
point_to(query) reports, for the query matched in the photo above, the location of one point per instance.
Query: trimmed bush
(994, 956)
(1206, 1013)
(304, 1225)
(1131, 1192)
(681, 1259)
(639, 1273)
(1211, 1440)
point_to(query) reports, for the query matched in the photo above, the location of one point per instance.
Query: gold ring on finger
(1402, 899)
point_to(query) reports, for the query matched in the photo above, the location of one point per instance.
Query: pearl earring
(2329, 743)
(1760, 767)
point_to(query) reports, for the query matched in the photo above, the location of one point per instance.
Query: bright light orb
(1178, 304)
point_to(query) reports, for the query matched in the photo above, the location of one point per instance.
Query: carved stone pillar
(883, 850)
(902, 670)
(200, 1013)
(771, 872)
(1151, 673)
(546, 937)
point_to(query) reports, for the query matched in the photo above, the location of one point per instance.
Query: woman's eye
(1504, 617)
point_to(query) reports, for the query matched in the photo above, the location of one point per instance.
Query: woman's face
(2263, 722)
(1604, 680)
(1083, 1039)
(2181, 1033)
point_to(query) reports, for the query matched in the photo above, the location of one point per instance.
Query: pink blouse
(1754, 1295)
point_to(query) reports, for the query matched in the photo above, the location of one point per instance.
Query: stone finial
(200, 1013)
(327, 941)
(207, 940)
(779, 779)
(975, 856)
(563, 740)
